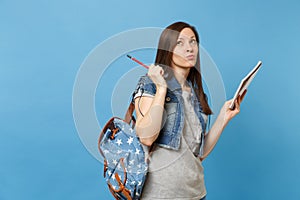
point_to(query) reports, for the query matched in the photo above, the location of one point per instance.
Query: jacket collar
(174, 85)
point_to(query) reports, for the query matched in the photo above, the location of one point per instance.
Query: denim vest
(173, 117)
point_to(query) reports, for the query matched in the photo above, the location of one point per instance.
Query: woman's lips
(190, 57)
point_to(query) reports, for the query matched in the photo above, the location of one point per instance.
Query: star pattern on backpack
(125, 159)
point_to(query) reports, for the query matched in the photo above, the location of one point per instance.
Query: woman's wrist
(161, 89)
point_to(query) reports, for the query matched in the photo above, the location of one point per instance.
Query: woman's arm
(222, 120)
(149, 125)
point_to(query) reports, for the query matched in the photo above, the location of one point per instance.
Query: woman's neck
(181, 75)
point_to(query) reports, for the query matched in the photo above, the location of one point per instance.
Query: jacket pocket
(169, 117)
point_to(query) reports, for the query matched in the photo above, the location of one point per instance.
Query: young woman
(172, 112)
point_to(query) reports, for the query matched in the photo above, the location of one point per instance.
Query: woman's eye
(179, 43)
(193, 41)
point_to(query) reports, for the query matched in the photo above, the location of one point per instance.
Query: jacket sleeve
(145, 87)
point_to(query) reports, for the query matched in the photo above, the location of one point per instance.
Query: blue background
(43, 43)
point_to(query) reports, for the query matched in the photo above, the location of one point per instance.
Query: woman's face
(186, 50)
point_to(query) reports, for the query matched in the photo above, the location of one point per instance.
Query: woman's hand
(227, 113)
(156, 73)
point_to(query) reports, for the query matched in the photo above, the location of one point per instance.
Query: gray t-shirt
(178, 174)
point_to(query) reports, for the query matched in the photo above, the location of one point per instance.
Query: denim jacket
(173, 117)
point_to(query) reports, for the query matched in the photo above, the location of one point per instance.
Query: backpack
(125, 165)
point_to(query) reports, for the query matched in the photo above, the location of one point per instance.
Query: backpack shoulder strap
(129, 114)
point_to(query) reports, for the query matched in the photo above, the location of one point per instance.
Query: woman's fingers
(237, 104)
(243, 95)
(239, 100)
(155, 70)
(156, 73)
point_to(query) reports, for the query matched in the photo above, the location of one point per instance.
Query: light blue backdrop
(43, 43)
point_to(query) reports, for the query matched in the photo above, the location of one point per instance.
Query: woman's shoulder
(146, 85)
(145, 79)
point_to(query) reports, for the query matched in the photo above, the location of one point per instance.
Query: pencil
(137, 61)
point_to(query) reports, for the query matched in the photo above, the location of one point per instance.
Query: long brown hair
(164, 55)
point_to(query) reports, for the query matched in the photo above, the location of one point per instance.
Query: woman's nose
(189, 47)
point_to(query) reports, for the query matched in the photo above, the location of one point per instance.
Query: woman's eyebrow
(182, 38)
